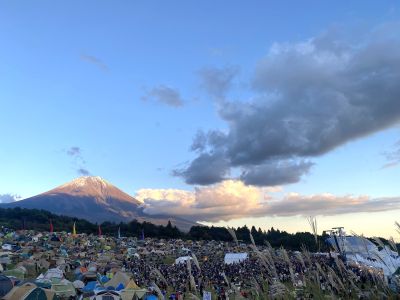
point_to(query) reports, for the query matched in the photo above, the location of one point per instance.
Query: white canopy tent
(233, 258)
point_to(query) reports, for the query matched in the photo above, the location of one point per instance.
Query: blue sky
(88, 74)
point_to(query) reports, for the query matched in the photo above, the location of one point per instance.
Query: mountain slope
(96, 200)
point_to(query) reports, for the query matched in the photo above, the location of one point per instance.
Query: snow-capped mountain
(96, 200)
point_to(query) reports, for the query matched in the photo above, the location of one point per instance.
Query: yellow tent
(131, 285)
(119, 277)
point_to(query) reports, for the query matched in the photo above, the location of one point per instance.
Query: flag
(74, 230)
(142, 235)
(51, 226)
(206, 295)
(100, 233)
(119, 232)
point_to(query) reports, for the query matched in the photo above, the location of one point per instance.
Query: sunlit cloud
(232, 199)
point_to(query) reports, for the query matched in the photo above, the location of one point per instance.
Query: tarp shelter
(234, 258)
(6, 285)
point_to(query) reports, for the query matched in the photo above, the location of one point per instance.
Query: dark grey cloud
(95, 61)
(165, 95)
(8, 198)
(78, 161)
(83, 172)
(210, 140)
(74, 151)
(310, 98)
(205, 169)
(218, 81)
(275, 173)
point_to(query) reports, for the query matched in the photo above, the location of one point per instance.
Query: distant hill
(34, 219)
(96, 200)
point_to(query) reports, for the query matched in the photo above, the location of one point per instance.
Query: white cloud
(232, 199)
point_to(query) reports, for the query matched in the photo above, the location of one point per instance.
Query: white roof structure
(233, 258)
(364, 252)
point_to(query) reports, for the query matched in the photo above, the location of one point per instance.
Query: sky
(225, 112)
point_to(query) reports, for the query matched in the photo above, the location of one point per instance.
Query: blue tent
(90, 286)
(151, 297)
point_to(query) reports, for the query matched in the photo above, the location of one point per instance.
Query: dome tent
(6, 285)
(29, 291)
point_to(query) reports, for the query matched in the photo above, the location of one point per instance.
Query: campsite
(71, 265)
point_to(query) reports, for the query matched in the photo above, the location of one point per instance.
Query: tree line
(35, 219)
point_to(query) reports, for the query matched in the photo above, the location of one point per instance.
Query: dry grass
(314, 228)
(158, 274)
(233, 234)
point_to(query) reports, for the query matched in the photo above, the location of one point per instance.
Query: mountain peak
(92, 186)
(94, 199)
(87, 180)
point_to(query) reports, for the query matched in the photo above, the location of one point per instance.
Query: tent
(106, 295)
(90, 286)
(234, 258)
(18, 272)
(6, 285)
(88, 276)
(129, 294)
(78, 284)
(28, 291)
(6, 247)
(64, 289)
(182, 259)
(118, 278)
(53, 273)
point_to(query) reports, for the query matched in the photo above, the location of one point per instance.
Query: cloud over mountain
(233, 199)
(308, 98)
(78, 161)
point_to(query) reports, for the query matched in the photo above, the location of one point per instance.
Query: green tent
(35, 294)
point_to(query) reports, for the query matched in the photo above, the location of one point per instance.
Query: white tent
(182, 259)
(51, 273)
(232, 258)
